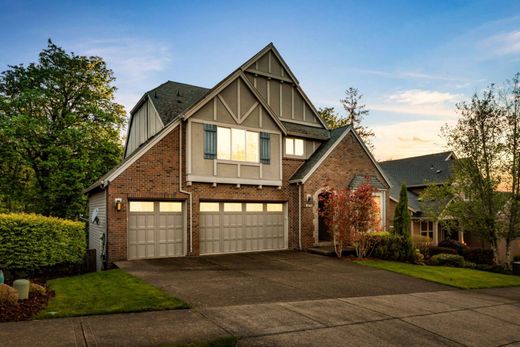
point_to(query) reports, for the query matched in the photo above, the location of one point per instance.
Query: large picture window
(237, 144)
(294, 146)
(427, 229)
(380, 203)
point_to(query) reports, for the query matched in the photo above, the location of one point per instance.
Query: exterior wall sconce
(119, 204)
(309, 201)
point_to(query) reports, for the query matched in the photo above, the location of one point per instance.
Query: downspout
(185, 191)
(300, 215)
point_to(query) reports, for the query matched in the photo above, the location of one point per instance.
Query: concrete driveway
(252, 278)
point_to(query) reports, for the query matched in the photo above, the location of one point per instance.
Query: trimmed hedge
(453, 244)
(478, 255)
(447, 260)
(434, 250)
(29, 242)
(394, 247)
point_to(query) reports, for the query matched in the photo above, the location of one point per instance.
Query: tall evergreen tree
(401, 214)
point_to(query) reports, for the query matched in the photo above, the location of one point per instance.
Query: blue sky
(412, 60)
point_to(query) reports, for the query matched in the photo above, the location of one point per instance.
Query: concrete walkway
(477, 318)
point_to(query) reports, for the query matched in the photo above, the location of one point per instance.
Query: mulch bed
(25, 309)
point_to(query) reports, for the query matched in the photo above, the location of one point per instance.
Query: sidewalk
(479, 318)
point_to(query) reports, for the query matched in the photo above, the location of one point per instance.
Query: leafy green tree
(59, 129)
(401, 214)
(478, 139)
(511, 103)
(356, 112)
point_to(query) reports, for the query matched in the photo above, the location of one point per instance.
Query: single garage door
(155, 229)
(228, 227)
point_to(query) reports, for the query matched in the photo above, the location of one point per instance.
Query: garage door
(228, 227)
(155, 229)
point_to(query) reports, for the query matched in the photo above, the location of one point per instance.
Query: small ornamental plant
(350, 215)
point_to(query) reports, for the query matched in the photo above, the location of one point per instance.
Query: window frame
(293, 141)
(246, 138)
(382, 207)
(428, 232)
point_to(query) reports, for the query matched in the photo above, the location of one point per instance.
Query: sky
(411, 60)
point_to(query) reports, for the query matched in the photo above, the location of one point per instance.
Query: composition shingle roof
(319, 153)
(306, 131)
(362, 179)
(172, 98)
(417, 171)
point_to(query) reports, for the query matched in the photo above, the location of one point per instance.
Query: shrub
(422, 243)
(478, 255)
(29, 241)
(444, 259)
(453, 244)
(36, 289)
(419, 257)
(394, 247)
(434, 250)
(8, 294)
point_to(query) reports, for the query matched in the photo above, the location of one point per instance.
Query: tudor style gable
(234, 137)
(274, 80)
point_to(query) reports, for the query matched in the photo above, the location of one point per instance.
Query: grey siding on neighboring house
(96, 230)
(145, 123)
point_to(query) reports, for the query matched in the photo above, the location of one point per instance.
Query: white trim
(314, 125)
(237, 126)
(253, 182)
(140, 152)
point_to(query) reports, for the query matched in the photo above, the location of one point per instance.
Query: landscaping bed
(25, 309)
(452, 276)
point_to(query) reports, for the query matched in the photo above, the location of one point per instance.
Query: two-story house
(236, 168)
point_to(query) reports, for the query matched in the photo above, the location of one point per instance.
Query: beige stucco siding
(145, 123)
(234, 107)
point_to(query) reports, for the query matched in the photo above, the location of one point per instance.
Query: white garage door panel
(241, 231)
(155, 234)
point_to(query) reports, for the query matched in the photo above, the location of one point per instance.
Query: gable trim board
(347, 130)
(270, 48)
(214, 93)
(118, 170)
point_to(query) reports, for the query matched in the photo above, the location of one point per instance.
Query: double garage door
(228, 227)
(155, 229)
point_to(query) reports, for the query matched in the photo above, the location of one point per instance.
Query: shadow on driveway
(251, 278)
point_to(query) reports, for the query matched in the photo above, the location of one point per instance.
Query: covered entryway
(230, 227)
(155, 229)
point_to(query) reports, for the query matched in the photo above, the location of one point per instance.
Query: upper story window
(294, 146)
(237, 144)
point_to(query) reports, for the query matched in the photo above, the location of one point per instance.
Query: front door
(323, 229)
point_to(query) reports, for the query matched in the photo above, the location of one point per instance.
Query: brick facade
(155, 176)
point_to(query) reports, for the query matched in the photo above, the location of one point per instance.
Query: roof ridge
(170, 81)
(415, 157)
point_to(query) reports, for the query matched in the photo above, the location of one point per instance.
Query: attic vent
(179, 93)
(155, 94)
(438, 171)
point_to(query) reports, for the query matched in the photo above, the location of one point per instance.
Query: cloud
(406, 139)
(409, 75)
(507, 43)
(422, 97)
(137, 64)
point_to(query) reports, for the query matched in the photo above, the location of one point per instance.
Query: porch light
(119, 204)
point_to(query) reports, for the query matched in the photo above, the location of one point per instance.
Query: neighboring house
(239, 167)
(417, 173)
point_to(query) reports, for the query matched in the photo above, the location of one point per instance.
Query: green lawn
(451, 276)
(105, 292)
